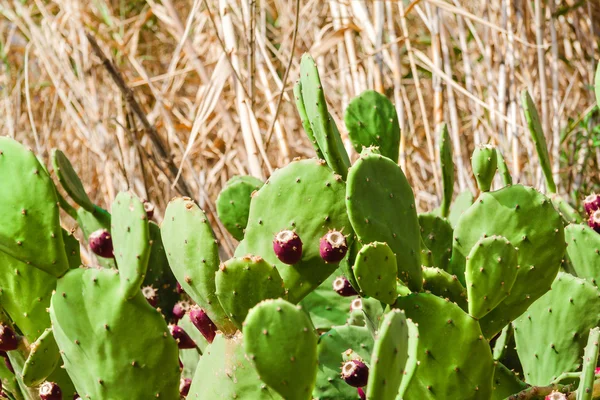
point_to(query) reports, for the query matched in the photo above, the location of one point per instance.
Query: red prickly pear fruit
(149, 208)
(343, 287)
(597, 371)
(101, 243)
(333, 247)
(204, 324)
(361, 394)
(287, 247)
(50, 391)
(184, 387)
(355, 373)
(179, 288)
(184, 341)
(76, 397)
(591, 203)
(356, 305)
(556, 396)
(179, 309)
(151, 295)
(8, 339)
(594, 221)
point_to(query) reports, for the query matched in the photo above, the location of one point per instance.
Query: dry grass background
(208, 74)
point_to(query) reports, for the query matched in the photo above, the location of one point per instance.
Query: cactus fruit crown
(356, 304)
(285, 236)
(287, 247)
(335, 238)
(343, 287)
(355, 373)
(50, 391)
(333, 246)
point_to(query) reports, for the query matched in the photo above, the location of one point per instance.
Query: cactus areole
(50, 391)
(287, 247)
(355, 373)
(333, 247)
(101, 243)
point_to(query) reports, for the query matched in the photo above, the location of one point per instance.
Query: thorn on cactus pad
(287, 247)
(50, 391)
(101, 243)
(333, 247)
(184, 341)
(355, 373)
(343, 287)
(8, 338)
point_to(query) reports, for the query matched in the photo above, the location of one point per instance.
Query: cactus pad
(43, 358)
(29, 223)
(484, 163)
(304, 118)
(506, 383)
(461, 203)
(233, 203)
(381, 207)
(491, 271)
(444, 285)
(583, 250)
(447, 167)
(375, 270)
(281, 342)
(437, 234)
(305, 197)
(527, 219)
(244, 282)
(590, 359)
(553, 332)
(371, 120)
(98, 332)
(70, 181)
(193, 255)
(444, 371)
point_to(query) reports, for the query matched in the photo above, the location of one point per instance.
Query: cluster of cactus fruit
(338, 289)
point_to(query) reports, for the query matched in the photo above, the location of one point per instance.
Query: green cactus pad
(322, 125)
(304, 118)
(381, 207)
(224, 373)
(29, 223)
(332, 344)
(194, 257)
(537, 135)
(10, 385)
(43, 358)
(308, 198)
(447, 167)
(233, 203)
(506, 383)
(437, 234)
(583, 250)
(190, 357)
(368, 314)
(461, 203)
(444, 285)
(325, 306)
(442, 370)
(590, 359)
(484, 163)
(371, 120)
(491, 271)
(90, 222)
(568, 213)
(527, 219)
(159, 275)
(244, 282)
(503, 169)
(71, 249)
(375, 270)
(108, 343)
(131, 241)
(553, 332)
(390, 357)
(70, 181)
(281, 342)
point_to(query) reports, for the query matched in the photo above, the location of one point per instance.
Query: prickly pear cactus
(442, 284)
(282, 204)
(590, 359)
(503, 169)
(371, 120)
(376, 271)
(583, 251)
(447, 167)
(437, 234)
(461, 203)
(528, 220)
(70, 181)
(43, 358)
(484, 163)
(281, 342)
(553, 332)
(381, 208)
(233, 203)
(306, 124)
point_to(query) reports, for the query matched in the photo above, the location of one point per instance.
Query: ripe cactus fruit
(594, 221)
(244, 282)
(280, 340)
(484, 163)
(343, 287)
(8, 338)
(371, 120)
(381, 208)
(184, 387)
(203, 323)
(233, 203)
(184, 341)
(591, 203)
(101, 243)
(376, 270)
(355, 373)
(151, 295)
(590, 359)
(90, 222)
(287, 246)
(333, 246)
(50, 391)
(179, 309)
